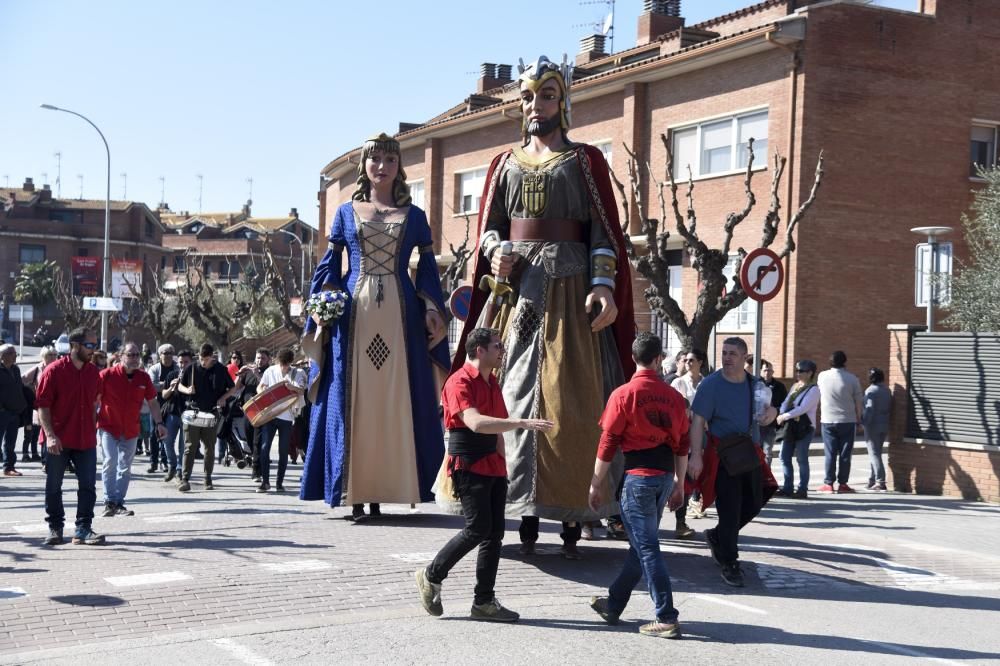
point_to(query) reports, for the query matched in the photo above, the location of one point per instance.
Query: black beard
(543, 127)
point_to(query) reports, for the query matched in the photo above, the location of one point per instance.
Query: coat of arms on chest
(533, 186)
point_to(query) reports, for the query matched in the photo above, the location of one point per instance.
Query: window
(65, 216)
(720, 146)
(207, 269)
(194, 228)
(180, 264)
(148, 230)
(470, 190)
(229, 270)
(983, 149)
(417, 193)
(250, 234)
(742, 319)
(163, 263)
(31, 254)
(605, 148)
(82, 252)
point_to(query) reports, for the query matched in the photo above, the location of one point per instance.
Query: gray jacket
(878, 406)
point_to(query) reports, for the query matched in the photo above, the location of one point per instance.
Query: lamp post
(932, 233)
(302, 259)
(106, 281)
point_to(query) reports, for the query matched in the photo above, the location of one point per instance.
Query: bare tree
(283, 288)
(716, 297)
(218, 313)
(160, 310)
(453, 274)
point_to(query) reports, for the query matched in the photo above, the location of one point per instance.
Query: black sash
(471, 446)
(659, 457)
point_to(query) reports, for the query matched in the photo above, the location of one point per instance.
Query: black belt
(658, 457)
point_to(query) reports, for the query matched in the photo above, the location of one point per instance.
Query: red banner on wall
(86, 276)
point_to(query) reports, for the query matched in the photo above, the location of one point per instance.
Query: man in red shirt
(648, 421)
(124, 388)
(476, 417)
(69, 392)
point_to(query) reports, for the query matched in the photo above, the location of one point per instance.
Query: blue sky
(251, 89)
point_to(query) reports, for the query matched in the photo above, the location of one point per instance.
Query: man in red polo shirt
(476, 417)
(648, 421)
(69, 392)
(124, 388)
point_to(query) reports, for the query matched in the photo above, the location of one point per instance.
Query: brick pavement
(237, 559)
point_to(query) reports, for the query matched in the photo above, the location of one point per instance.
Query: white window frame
(419, 184)
(680, 169)
(988, 125)
(741, 319)
(606, 146)
(474, 177)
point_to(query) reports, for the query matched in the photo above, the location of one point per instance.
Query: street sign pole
(20, 347)
(758, 333)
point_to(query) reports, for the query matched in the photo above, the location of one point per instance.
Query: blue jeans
(284, 430)
(798, 449)
(642, 502)
(172, 422)
(838, 444)
(9, 424)
(116, 471)
(875, 441)
(86, 494)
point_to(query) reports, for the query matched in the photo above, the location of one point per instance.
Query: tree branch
(817, 179)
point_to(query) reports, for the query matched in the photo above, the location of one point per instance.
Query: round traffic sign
(762, 274)
(460, 301)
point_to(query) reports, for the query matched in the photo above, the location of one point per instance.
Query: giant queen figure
(375, 434)
(550, 245)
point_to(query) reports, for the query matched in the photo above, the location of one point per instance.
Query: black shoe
(569, 551)
(184, 486)
(152, 469)
(170, 475)
(36, 458)
(87, 537)
(375, 510)
(713, 545)
(25, 458)
(781, 492)
(122, 510)
(109, 510)
(527, 548)
(683, 531)
(262, 488)
(208, 483)
(801, 493)
(279, 488)
(55, 537)
(255, 478)
(732, 575)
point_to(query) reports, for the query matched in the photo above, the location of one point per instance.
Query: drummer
(295, 379)
(207, 386)
(244, 430)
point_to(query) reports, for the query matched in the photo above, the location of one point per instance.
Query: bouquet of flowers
(326, 307)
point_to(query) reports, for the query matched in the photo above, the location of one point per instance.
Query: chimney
(658, 18)
(46, 193)
(246, 208)
(294, 213)
(492, 76)
(591, 49)
(29, 185)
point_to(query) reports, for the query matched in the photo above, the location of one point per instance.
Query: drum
(267, 405)
(193, 417)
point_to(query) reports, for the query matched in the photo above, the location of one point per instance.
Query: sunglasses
(131, 354)
(89, 345)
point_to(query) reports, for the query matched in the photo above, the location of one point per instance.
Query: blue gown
(378, 279)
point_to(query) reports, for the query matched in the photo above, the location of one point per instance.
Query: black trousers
(738, 499)
(529, 531)
(483, 499)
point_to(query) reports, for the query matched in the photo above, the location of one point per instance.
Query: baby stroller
(234, 434)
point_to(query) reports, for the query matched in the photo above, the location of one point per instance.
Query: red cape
(710, 468)
(595, 171)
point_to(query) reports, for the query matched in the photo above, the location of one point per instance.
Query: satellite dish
(609, 23)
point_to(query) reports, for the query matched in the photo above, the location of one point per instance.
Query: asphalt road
(233, 577)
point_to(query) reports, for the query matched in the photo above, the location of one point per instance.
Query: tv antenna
(124, 186)
(58, 156)
(80, 177)
(201, 180)
(250, 193)
(605, 26)
(163, 190)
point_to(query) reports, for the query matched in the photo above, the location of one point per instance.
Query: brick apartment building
(36, 226)
(896, 99)
(229, 244)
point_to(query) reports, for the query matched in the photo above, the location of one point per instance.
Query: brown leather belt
(543, 229)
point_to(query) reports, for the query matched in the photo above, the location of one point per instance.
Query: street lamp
(106, 281)
(302, 259)
(932, 233)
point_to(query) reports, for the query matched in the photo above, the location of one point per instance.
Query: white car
(62, 344)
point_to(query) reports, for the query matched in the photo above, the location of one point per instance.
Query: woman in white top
(281, 424)
(690, 366)
(798, 414)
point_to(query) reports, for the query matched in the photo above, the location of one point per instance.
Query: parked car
(62, 344)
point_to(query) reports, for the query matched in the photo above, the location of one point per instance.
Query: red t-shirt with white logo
(122, 396)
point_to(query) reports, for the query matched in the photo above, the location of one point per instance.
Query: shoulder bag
(737, 452)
